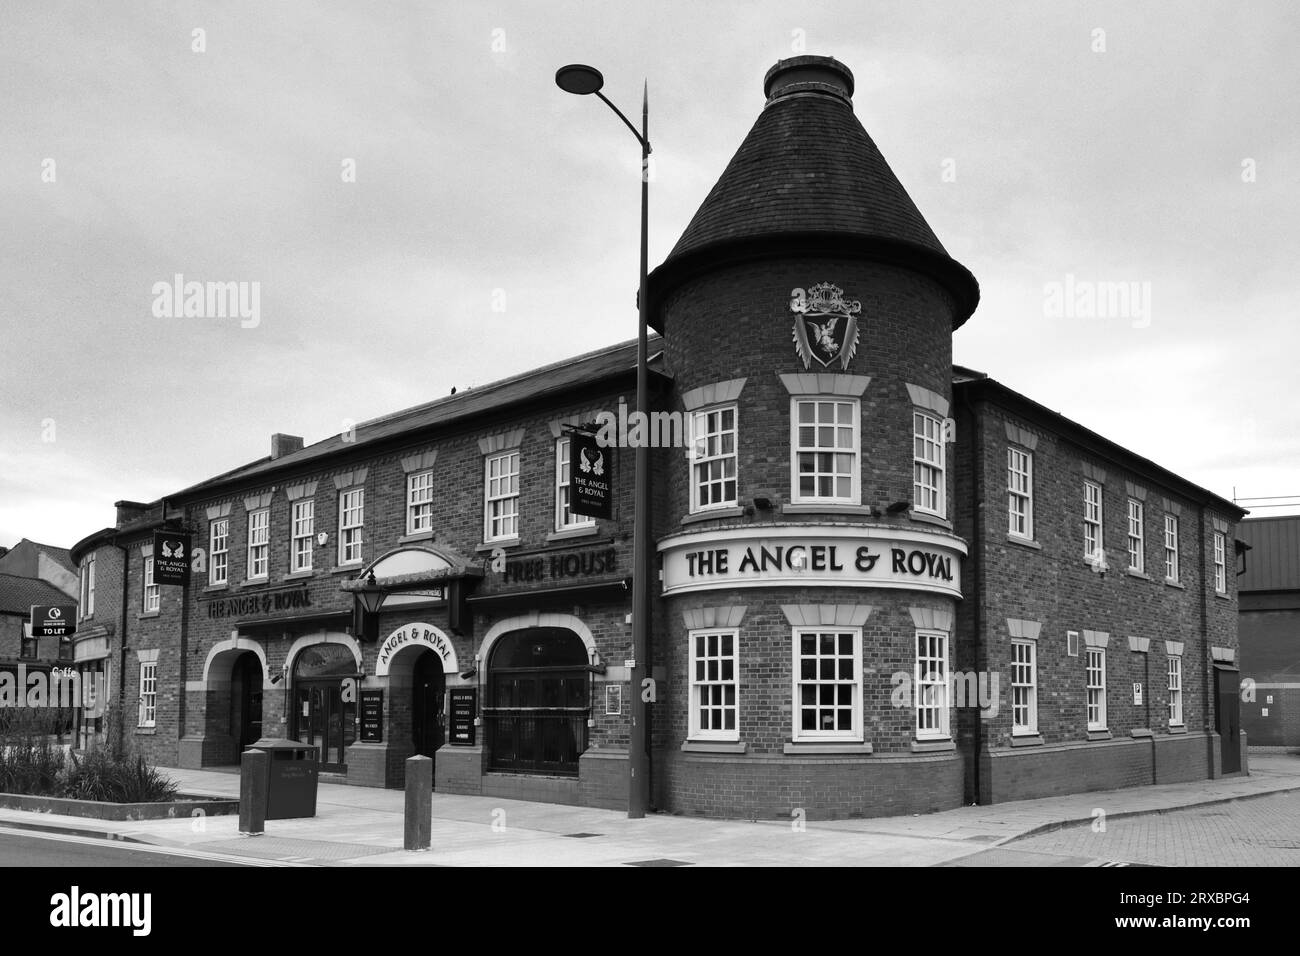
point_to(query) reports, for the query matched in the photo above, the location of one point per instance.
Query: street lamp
(583, 80)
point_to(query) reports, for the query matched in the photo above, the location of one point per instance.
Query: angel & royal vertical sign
(590, 470)
(171, 557)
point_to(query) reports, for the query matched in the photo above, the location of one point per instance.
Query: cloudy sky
(490, 224)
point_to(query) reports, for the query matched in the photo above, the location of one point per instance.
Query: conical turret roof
(809, 179)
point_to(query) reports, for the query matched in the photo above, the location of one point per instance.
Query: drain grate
(660, 862)
(581, 836)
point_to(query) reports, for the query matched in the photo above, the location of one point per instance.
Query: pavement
(361, 826)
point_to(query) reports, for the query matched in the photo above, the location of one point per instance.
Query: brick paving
(1264, 831)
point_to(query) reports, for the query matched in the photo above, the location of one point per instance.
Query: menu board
(372, 716)
(464, 708)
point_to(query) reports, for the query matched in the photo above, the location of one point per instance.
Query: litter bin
(292, 779)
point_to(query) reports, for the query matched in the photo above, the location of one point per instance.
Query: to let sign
(171, 557)
(53, 620)
(590, 489)
(463, 702)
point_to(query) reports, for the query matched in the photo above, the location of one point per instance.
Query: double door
(325, 721)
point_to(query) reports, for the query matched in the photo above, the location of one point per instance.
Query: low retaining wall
(97, 810)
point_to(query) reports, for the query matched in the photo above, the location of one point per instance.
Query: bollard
(418, 833)
(254, 777)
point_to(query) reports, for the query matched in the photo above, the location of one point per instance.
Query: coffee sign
(840, 557)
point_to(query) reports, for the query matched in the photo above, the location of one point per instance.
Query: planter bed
(182, 806)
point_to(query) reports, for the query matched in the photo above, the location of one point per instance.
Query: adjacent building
(1270, 631)
(885, 583)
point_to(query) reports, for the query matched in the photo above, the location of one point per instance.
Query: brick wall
(1049, 582)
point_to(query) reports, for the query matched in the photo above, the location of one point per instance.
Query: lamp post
(584, 80)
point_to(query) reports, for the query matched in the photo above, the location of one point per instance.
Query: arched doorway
(428, 686)
(246, 700)
(538, 701)
(321, 717)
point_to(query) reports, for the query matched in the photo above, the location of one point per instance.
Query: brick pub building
(887, 584)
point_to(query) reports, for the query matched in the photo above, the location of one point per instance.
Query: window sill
(714, 746)
(346, 568)
(217, 587)
(828, 747)
(829, 508)
(1024, 542)
(415, 536)
(735, 512)
(143, 615)
(298, 575)
(1027, 740)
(933, 746)
(1137, 574)
(586, 531)
(501, 543)
(146, 731)
(254, 582)
(1177, 728)
(1175, 584)
(1223, 597)
(1100, 735)
(926, 518)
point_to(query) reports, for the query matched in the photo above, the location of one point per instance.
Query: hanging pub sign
(463, 703)
(53, 620)
(590, 489)
(171, 557)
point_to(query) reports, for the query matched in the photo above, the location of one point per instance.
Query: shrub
(98, 775)
(31, 766)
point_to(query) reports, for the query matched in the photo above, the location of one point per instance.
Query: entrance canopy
(416, 574)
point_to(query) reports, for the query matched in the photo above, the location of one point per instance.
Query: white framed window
(1020, 493)
(1071, 643)
(1092, 519)
(302, 526)
(501, 497)
(825, 451)
(1136, 546)
(827, 683)
(931, 685)
(1171, 547)
(259, 543)
(1220, 563)
(1096, 683)
(929, 493)
(1175, 691)
(352, 520)
(713, 458)
(219, 551)
(419, 502)
(151, 592)
(564, 516)
(1024, 687)
(87, 604)
(714, 685)
(148, 694)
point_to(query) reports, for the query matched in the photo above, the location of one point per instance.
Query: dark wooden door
(1227, 717)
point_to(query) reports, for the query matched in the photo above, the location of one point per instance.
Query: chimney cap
(809, 74)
